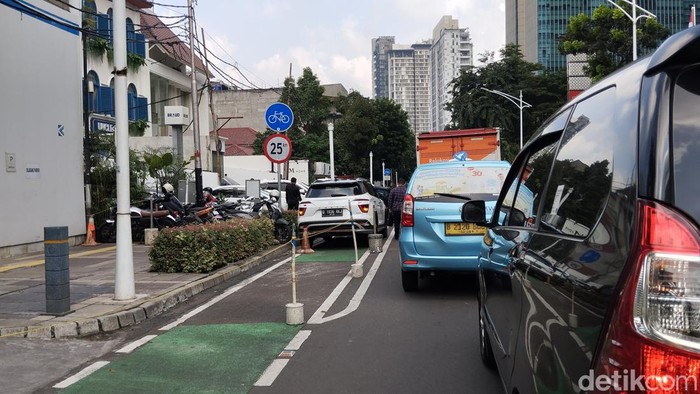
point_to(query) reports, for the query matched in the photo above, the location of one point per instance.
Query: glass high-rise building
(419, 76)
(380, 65)
(409, 82)
(536, 25)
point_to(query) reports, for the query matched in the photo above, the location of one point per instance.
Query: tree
(380, 126)
(473, 107)
(606, 37)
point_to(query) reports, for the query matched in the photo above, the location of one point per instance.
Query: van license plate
(463, 229)
(332, 212)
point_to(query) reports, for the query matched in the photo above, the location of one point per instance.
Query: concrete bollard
(375, 243)
(149, 235)
(56, 271)
(295, 313)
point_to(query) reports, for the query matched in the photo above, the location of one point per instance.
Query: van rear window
(460, 180)
(686, 142)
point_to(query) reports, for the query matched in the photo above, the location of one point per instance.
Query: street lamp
(518, 103)
(634, 18)
(331, 125)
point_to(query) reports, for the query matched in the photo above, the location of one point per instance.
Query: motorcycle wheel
(106, 233)
(284, 233)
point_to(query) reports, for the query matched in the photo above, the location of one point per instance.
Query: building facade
(409, 82)
(41, 134)
(380, 65)
(537, 25)
(452, 51)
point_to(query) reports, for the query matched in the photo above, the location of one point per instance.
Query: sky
(333, 38)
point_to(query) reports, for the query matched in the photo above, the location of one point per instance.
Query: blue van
(433, 235)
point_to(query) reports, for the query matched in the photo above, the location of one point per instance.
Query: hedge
(204, 248)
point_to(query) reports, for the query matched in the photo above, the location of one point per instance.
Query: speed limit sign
(278, 148)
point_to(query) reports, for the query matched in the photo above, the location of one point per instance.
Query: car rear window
(334, 190)
(686, 142)
(460, 180)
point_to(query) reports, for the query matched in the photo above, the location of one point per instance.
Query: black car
(590, 270)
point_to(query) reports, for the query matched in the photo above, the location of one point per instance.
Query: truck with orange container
(478, 144)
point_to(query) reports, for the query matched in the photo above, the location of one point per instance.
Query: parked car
(383, 193)
(326, 208)
(229, 193)
(589, 270)
(433, 237)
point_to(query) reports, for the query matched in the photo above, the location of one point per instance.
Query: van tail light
(654, 330)
(407, 211)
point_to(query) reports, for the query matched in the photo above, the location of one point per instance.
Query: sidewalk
(92, 275)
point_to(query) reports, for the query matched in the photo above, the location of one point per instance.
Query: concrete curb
(139, 310)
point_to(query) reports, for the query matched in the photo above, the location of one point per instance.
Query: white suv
(326, 209)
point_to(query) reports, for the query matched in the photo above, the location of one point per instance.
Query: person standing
(293, 195)
(396, 197)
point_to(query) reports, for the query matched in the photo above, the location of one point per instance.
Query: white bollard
(295, 313)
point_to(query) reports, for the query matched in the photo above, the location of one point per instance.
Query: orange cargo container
(479, 144)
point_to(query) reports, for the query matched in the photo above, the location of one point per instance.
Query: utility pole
(124, 288)
(195, 108)
(214, 118)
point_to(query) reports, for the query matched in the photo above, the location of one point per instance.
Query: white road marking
(82, 374)
(225, 294)
(298, 340)
(134, 345)
(318, 316)
(268, 377)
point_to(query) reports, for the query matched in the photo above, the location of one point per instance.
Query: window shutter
(131, 100)
(139, 47)
(105, 101)
(142, 108)
(103, 26)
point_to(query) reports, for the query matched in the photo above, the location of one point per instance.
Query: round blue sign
(279, 117)
(387, 171)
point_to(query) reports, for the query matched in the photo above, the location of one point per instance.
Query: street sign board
(278, 148)
(387, 172)
(279, 117)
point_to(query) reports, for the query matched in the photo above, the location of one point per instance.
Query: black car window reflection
(582, 173)
(686, 144)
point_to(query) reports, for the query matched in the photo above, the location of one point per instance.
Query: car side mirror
(474, 212)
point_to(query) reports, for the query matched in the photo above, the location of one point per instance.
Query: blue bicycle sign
(279, 117)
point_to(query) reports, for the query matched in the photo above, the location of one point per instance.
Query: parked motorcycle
(283, 228)
(141, 219)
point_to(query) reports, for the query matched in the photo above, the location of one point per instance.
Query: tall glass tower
(537, 25)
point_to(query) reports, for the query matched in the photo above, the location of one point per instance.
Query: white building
(405, 72)
(409, 82)
(42, 134)
(41, 128)
(451, 52)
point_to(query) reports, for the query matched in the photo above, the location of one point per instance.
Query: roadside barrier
(305, 246)
(90, 233)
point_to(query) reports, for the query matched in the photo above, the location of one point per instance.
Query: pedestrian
(396, 196)
(293, 195)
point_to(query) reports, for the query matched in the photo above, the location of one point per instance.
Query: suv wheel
(485, 344)
(409, 280)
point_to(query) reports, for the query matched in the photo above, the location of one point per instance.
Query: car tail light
(407, 211)
(302, 211)
(363, 205)
(655, 328)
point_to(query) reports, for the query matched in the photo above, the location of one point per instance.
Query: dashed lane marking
(136, 344)
(80, 375)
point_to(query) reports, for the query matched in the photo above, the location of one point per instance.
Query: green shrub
(204, 248)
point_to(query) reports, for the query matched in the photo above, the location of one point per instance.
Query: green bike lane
(227, 346)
